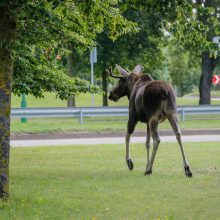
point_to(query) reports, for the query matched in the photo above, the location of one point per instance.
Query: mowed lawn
(96, 124)
(93, 182)
(99, 125)
(85, 100)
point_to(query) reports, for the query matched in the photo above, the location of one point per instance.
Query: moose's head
(125, 82)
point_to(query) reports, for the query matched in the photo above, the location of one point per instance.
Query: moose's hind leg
(156, 142)
(148, 144)
(173, 119)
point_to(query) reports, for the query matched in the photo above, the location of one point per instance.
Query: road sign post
(93, 59)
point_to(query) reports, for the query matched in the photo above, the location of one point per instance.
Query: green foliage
(40, 79)
(53, 25)
(161, 23)
(189, 23)
(195, 28)
(183, 68)
(143, 47)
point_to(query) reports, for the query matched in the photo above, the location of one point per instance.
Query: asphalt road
(62, 139)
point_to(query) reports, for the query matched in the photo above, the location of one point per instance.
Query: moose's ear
(138, 69)
(124, 72)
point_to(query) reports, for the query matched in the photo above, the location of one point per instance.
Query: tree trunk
(6, 66)
(208, 66)
(7, 33)
(208, 63)
(70, 62)
(104, 89)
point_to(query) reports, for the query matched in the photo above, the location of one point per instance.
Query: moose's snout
(112, 97)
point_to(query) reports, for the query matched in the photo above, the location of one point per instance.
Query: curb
(47, 136)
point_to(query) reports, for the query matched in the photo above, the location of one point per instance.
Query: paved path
(108, 140)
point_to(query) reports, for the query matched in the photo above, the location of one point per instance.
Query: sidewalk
(55, 139)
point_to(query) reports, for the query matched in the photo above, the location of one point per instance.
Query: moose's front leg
(128, 157)
(130, 130)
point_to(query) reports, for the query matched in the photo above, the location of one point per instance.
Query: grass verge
(50, 100)
(94, 124)
(93, 182)
(97, 125)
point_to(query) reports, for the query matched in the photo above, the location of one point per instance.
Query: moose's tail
(164, 93)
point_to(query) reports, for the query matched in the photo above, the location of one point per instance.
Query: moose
(151, 102)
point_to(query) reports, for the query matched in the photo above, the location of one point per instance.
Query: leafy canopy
(44, 25)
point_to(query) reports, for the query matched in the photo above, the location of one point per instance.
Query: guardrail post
(23, 105)
(81, 117)
(182, 114)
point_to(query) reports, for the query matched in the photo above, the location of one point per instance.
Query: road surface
(62, 139)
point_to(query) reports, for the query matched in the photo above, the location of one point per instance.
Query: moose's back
(154, 99)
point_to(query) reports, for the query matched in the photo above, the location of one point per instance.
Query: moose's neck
(133, 78)
(137, 81)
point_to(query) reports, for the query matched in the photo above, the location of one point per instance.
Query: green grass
(214, 93)
(93, 182)
(97, 125)
(92, 124)
(50, 100)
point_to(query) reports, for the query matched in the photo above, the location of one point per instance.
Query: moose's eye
(122, 80)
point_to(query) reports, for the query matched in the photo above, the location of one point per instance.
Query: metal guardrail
(69, 112)
(198, 110)
(102, 112)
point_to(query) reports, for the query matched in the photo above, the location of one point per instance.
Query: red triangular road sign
(215, 79)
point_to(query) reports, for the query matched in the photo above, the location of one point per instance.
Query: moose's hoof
(148, 172)
(188, 172)
(130, 164)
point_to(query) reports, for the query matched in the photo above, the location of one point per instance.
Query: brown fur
(150, 101)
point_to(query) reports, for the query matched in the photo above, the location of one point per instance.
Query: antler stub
(109, 72)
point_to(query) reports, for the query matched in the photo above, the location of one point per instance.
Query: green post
(23, 105)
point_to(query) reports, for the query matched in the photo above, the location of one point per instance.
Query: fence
(103, 112)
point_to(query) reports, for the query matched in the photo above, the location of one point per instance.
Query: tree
(7, 34)
(143, 47)
(70, 67)
(186, 23)
(191, 24)
(209, 14)
(184, 69)
(160, 22)
(29, 31)
(194, 29)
